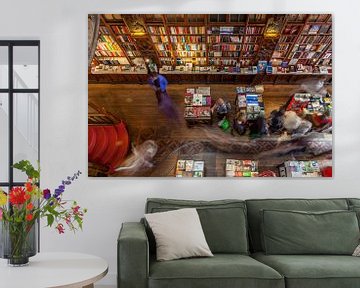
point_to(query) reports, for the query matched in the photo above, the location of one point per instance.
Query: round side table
(50, 270)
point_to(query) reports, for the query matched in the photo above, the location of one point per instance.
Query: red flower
(75, 209)
(60, 228)
(27, 196)
(17, 196)
(29, 206)
(29, 217)
(29, 186)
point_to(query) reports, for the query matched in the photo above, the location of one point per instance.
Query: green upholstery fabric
(223, 221)
(356, 209)
(294, 232)
(255, 206)
(222, 270)
(133, 256)
(315, 271)
(353, 201)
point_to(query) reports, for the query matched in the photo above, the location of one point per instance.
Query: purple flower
(68, 181)
(46, 194)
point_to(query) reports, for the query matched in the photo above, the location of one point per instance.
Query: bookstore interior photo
(210, 95)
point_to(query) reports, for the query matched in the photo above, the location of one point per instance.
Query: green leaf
(26, 167)
(50, 219)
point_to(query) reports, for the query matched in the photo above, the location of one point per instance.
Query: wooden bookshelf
(217, 42)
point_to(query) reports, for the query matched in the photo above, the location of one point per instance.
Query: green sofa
(233, 230)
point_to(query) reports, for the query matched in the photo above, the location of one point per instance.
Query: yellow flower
(3, 198)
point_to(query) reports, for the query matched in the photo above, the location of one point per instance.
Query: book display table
(249, 101)
(190, 168)
(300, 169)
(241, 168)
(50, 270)
(197, 105)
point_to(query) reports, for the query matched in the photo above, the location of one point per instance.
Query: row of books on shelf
(103, 30)
(195, 61)
(224, 39)
(191, 54)
(187, 30)
(124, 38)
(114, 61)
(188, 39)
(190, 47)
(163, 47)
(252, 39)
(304, 55)
(226, 30)
(275, 66)
(117, 29)
(250, 48)
(287, 39)
(164, 54)
(241, 168)
(133, 54)
(223, 54)
(162, 39)
(108, 45)
(250, 89)
(157, 30)
(118, 69)
(282, 47)
(223, 62)
(314, 40)
(104, 53)
(255, 30)
(166, 61)
(317, 29)
(189, 168)
(225, 47)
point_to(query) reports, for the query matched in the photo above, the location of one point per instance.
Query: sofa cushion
(223, 221)
(178, 234)
(222, 270)
(314, 271)
(255, 206)
(297, 232)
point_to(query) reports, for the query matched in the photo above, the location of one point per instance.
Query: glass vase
(18, 242)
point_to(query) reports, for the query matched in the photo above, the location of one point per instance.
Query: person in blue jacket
(159, 84)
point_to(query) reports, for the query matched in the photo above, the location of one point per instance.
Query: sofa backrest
(255, 206)
(223, 221)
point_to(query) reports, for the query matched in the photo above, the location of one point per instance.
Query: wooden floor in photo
(137, 105)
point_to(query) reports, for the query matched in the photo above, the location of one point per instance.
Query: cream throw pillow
(178, 234)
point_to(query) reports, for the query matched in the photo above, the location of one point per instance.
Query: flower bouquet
(21, 208)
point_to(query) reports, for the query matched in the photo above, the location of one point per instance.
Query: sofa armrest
(133, 256)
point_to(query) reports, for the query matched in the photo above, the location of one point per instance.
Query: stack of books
(251, 104)
(300, 169)
(189, 168)
(241, 168)
(197, 103)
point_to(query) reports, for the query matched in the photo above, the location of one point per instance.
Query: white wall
(62, 28)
